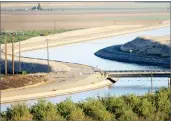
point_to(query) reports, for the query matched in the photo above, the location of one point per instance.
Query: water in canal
(83, 53)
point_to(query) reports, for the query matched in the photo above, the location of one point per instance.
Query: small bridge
(136, 73)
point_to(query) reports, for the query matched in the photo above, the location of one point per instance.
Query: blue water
(84, 53)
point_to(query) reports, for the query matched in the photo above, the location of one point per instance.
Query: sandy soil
(161, 39)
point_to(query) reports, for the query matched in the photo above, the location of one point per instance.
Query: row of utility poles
(6, 53)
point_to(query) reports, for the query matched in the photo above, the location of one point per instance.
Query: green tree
(162, 104)
(127, 115)
(3, 116)
(18, 112)
(119, 108)
(71, 111)
(147, 110)
(45, 111)
(96, 110)
(133, 102)
(128, 107)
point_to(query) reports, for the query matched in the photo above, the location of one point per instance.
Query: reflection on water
(85, 55)
(137, 86)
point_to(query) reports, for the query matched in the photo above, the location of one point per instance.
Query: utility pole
(0, 60)
(19, 47)
(168, 82)
(151, 82)
(20, 53)
(6, 63)
(19, 57)
(13, 53)
(47, 42)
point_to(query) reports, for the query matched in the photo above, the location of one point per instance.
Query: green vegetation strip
(28, 34)
(149, 107)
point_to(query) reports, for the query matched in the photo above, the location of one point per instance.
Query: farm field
(82, 15)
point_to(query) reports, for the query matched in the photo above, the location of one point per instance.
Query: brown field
(35, 20)
(88, 4)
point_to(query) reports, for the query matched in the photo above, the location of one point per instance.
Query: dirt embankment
(158, 46)
(142, 50)
(17, 81)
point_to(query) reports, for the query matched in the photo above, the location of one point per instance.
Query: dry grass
(20, 81)
(161, 39)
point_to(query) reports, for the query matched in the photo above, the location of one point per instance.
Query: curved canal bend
(83, 53)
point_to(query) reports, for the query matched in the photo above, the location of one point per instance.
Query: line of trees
(124, 108)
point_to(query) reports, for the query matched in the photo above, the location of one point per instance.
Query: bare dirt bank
(141, 50)
(159, 46)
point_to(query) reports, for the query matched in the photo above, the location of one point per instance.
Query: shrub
(147, 110)
(128, 107)
(96, 110)
(133, 102)
(18, 112)
(78, 115)
(70, 110)
(117, 106)
(128, 115)
(24, 72)
(43, 34)
(162, 103)
(45, 111)
(3, 116)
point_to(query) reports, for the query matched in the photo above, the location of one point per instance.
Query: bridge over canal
(109, 74)
(136, 73)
